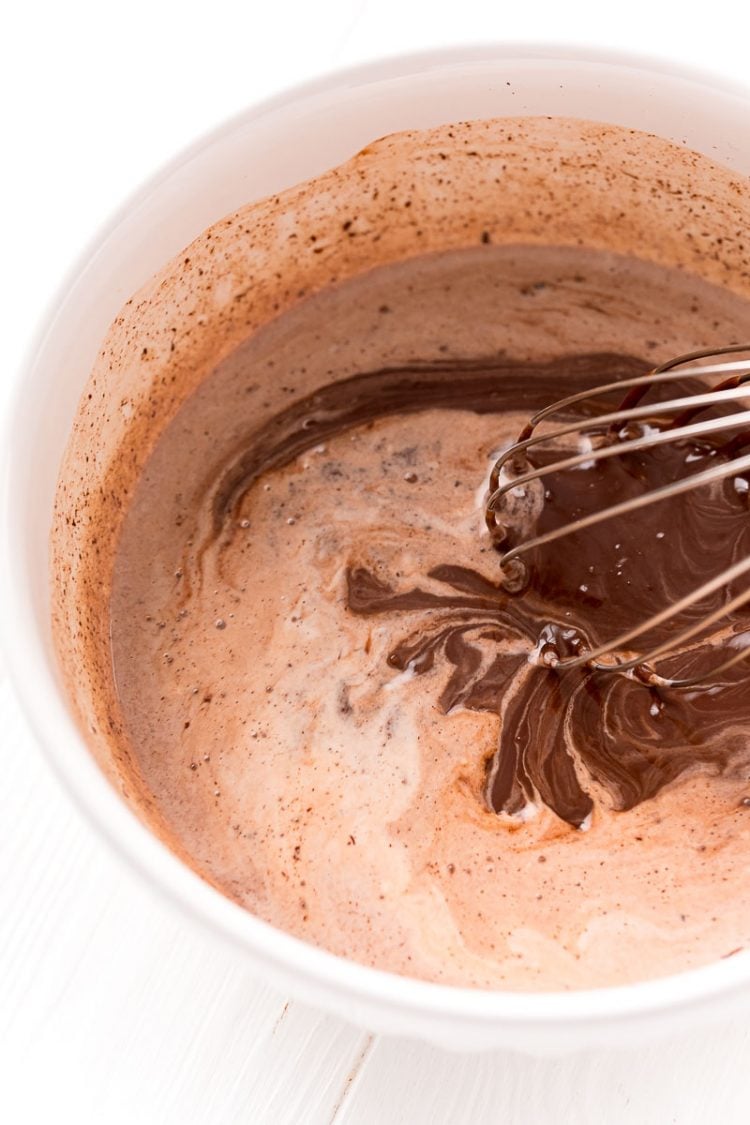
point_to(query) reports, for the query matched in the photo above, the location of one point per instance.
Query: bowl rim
(30, 668)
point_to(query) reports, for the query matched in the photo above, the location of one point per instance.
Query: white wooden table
(112, 1009)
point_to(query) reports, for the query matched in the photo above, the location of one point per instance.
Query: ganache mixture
(337, 702)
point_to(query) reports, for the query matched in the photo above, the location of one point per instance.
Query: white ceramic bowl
(270, 147)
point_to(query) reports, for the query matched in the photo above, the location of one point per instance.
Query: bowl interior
(262, 152)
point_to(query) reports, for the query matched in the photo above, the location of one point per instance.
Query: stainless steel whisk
(617, 655)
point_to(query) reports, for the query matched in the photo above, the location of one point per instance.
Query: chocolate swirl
(565, 740)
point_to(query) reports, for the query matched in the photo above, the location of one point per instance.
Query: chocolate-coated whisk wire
(615, 654)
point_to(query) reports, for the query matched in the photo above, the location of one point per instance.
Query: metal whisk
(676, 421)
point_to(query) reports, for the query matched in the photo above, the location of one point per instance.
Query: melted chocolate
(565, 739)
(486, 386)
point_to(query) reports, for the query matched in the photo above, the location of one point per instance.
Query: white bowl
(270, 147)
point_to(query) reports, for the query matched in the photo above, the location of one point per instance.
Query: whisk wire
(710, 398)
(645, 441)
(664, 374)
(656, 433)
(665, 492)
